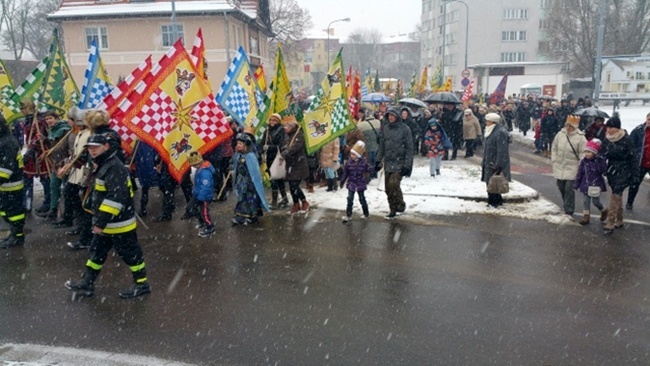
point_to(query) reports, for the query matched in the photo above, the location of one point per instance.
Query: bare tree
(38, 34)
(572, 28)
(289, 23)
(13, 24)
(362, 49)
(23, 26)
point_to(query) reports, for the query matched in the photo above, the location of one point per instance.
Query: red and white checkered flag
(468, 92)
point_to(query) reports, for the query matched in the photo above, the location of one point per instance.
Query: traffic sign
(465, 73)
(464, 82)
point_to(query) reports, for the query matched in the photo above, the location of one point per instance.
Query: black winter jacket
(396, 147)
(621, 163)
(112, 198)
(11, 164)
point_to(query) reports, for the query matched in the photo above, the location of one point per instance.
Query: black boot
(135, 291)
(366, 213)
(51, 214)
(329, 185)
(274, 200)
(83, 287)
(13, 241)
(284, 202)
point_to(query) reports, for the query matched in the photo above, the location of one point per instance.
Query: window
(544, 24)
(544, 4)
(98, 34)
(168, 34)
(255, 46)
(515, 13)
(513, 35)
(513, 56)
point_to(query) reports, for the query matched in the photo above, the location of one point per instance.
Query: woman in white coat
(567, 150)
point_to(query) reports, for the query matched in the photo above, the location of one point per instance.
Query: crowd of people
(80, 161)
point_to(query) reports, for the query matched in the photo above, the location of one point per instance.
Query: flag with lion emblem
(328, 115)
(173, 110)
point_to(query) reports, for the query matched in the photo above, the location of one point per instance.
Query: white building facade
(480, 32)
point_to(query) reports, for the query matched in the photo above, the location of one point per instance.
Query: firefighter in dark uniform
(12, 187)
(114, 221)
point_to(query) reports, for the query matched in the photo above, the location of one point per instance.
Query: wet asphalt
(307, 290)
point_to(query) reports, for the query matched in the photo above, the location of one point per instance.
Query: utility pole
(599, 51)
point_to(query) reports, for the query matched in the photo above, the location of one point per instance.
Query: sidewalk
(458, 190)
(35, 355)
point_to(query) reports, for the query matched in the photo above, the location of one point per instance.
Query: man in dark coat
(396, 153)
(496, 155)
(522, 114)
(11, 187)
(640, 137)
(452, 122)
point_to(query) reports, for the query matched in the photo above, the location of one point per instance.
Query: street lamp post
(328, 37)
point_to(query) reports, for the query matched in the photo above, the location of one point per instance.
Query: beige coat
(471, 128)
(329, 155)
(78, 176)
(565, 162)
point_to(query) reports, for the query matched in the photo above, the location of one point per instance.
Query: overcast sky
(390, 17)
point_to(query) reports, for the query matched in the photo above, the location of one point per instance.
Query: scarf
(489, 129)
(616, 136)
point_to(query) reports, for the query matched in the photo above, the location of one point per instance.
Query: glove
(265, 148)
(405, 172)
(378, 166)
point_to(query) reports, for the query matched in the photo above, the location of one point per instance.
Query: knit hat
(468, 111)
(493, 117)
(572, 120)
(245, 138)
(27, 105)
(359, 148)
(277, 117)
(77, 115)
(194, 158)
(613, 122)
(593, 146)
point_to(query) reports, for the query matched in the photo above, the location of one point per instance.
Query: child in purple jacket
(354, 172)
(590, 174)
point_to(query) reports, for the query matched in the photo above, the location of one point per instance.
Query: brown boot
(305, 206)
(295, 208)
(310, 188)
(585, 218)
(603, 215)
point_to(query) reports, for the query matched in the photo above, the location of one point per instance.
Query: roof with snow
(83, 9)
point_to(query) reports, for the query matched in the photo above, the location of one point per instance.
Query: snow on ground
(456, 191)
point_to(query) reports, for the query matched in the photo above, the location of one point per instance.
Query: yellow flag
(6, 90)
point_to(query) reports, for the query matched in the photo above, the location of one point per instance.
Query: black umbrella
(546, 97)
(442, 97)
(590, 112)
(412, 102)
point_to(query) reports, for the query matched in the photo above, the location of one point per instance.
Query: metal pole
(174, 30)
(444, 35)
(599, 51)
(329, 26)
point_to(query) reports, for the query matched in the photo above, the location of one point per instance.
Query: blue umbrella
(375, 98)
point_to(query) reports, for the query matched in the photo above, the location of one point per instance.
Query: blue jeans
(587, 201)
(435, 164)
(329, 173)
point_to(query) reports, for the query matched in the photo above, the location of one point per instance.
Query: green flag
(29, 89)
(377, 86)
(328, 116)
(60, 92)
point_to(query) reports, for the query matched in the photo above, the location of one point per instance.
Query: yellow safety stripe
(111, 207)
(12, 186)
(5, 173)
(19, 159)
(19, 235)
(100, 185)
(93, 265)
(3, 214)
(141, 280)
(120, 227)
(16, 218)
(128, 183)
(137, 267)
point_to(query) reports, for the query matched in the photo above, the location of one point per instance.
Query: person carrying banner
(36, 165)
